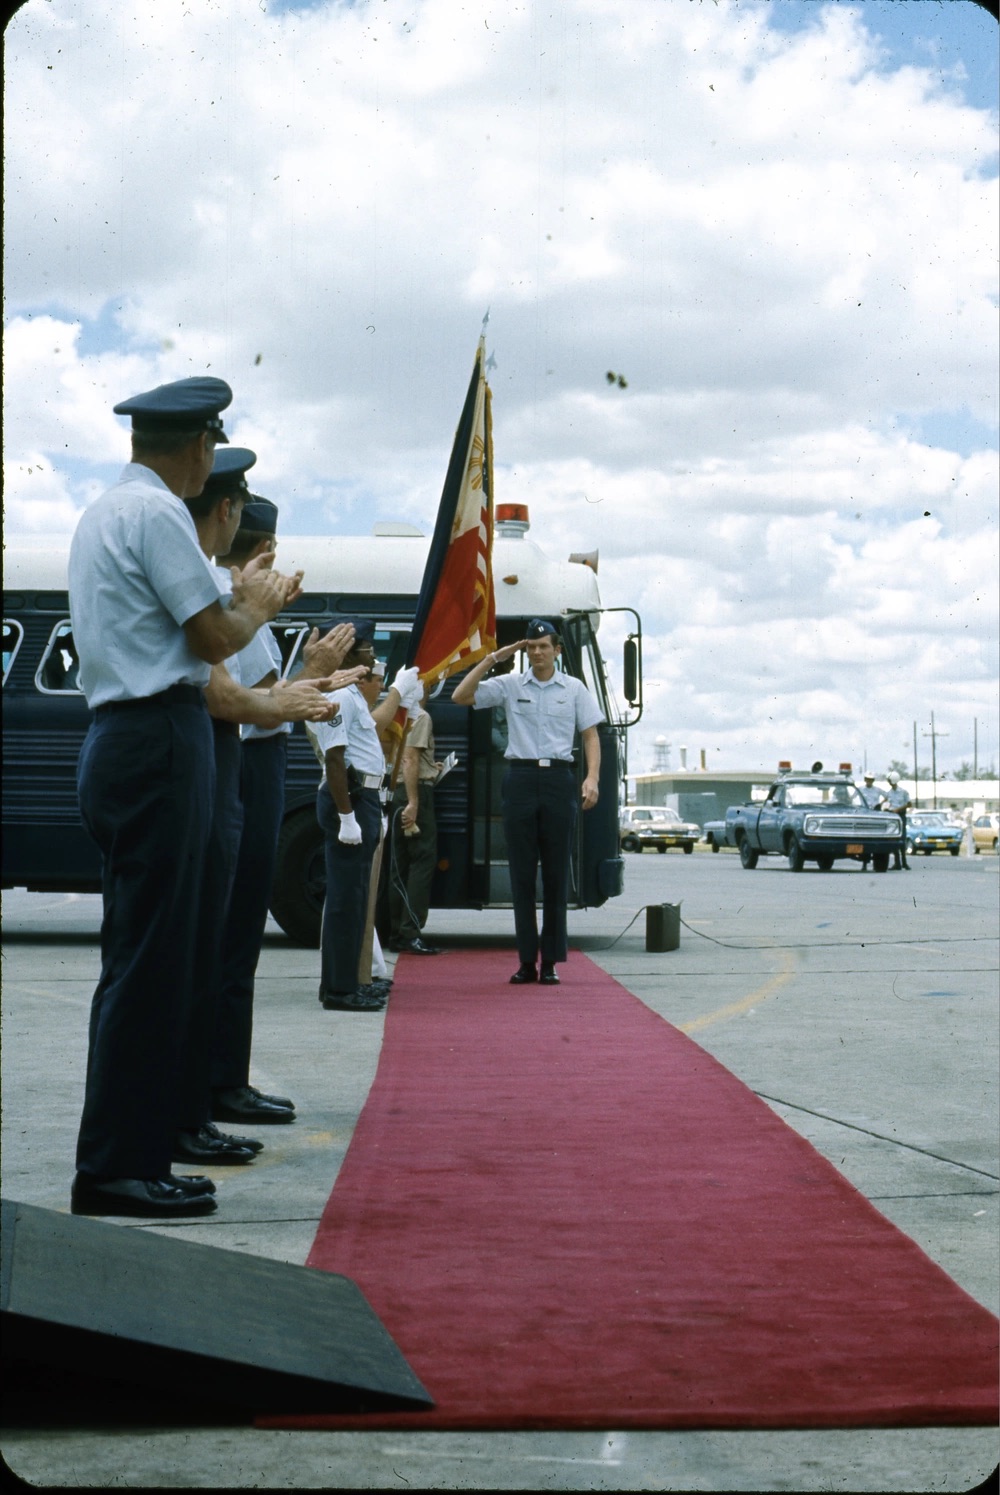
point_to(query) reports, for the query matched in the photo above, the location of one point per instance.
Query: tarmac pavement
(863, 1008)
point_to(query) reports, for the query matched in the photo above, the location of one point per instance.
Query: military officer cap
(259, 514)
(186, 405)
(541, 628)
(364, 630)
(229, 471)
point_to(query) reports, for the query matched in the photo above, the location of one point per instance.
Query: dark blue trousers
(412, 864)
(195, 1093)
(146, 779)
(539, 817)
(263, 809)
(348, 875)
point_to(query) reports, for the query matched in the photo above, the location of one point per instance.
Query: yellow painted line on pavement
(734, 1009)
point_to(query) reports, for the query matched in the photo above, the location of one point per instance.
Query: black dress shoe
(243, 1104)
(351, 1001)
(191, 1183)
(276, 1100)
(524, 974)
(199, 1147)
(548, 975)
(375, 992)
(251, 1143)
(416, 947)
(154, 1198)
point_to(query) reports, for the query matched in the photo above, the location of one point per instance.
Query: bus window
(58, 669)
(391, 640)
(289, 638)
(13, 633)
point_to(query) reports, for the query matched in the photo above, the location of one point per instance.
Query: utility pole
(975, 747)
(933, 734)
(916, 801)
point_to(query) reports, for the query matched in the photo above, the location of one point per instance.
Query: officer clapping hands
(266, 591)
(303, 700)
(322, 655)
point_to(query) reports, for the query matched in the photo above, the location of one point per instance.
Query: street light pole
(933, 734)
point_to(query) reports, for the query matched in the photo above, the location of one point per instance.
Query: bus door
(598, 865)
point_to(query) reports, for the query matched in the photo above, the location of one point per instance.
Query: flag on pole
(455, 621)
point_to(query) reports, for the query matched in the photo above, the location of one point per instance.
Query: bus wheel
(300, 878)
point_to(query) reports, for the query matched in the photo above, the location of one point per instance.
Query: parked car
(654, 825)
(933, 830)
(985, 830)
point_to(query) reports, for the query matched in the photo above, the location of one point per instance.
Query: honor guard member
(349, 810)
(545, 708)
(148, 625)
(217, 512)
(413, 838)
(264, 753)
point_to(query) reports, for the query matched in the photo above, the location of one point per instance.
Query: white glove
(408, 683)
(350, 830)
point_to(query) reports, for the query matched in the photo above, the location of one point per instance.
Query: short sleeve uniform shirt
(260, 658)
(136, 575)
(543, 717)
(354, 729)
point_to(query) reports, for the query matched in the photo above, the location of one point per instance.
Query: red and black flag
(455, 621)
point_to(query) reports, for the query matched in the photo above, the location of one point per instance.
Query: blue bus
(45, 717)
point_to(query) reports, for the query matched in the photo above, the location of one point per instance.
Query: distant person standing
(545, 709)
(871, 795)
(413, 838)
(898, 800)
(148, 625)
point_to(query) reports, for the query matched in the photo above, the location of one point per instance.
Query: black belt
(540, 762)
(230, 729)
(174, 695)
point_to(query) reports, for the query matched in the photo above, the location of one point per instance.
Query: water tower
(661, 751)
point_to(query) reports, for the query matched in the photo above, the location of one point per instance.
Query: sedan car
(932, 830)
(985, 830)
(654, 825)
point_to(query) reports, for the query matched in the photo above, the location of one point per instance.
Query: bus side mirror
(632, 671)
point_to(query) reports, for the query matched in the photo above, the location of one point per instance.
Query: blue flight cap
(259, 514)
(229, 470)
(186, 405)
(364, 629)
(540, 627)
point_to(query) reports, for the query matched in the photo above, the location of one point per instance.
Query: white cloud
(785, 245)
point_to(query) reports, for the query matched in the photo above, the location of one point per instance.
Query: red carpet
(568, 1215)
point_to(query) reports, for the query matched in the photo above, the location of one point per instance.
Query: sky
(776, 220)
